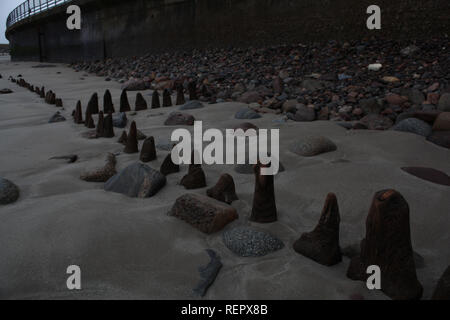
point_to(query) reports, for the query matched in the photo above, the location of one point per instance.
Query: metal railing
(31, 7)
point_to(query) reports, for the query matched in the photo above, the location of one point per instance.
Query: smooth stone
(120, 121)
(442, 122)
(179, 119)
(303, 114)
(377, 122)
(192, 105)
(57, 117)
(9, 192)
(247, 114)
(413, 125)
(137, 181)
(310, 146)
(250, 242)
(444, 102)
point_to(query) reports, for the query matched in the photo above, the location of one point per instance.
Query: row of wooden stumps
(49, 96)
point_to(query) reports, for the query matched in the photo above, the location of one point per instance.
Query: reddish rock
(203, 213)
(322, 244)
(395, 99)
(388, 245)
(224, 190)
(433, 98)
(442, 122)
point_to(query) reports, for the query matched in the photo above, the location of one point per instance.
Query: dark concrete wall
(112, 28)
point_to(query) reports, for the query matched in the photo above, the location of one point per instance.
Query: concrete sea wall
(112, 28)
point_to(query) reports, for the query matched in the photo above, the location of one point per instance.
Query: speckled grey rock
(137, 181)
(192, 105)
(9, 192)
(57, 117)
(310, 146)
(249, 242)
(120, 121)
(413, 125)
(247, 114)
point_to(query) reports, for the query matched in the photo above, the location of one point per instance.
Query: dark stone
(93, 104)
(322, 244)
(442, 291)
(376, 122)
(108, 127)
(195, 179)
(310, 146)
(303, 114)
(264, 208)
(9, 192)
(370, 106)
(168, 167)
(108, 105)
(208, 273)
(132, 141)
(137, 181)
(413, 125)
(194, 104)
(429, 174)
(124, 103)
(247, 114)
(180, 96)
(203, 213)
(100, 124)
(155, 100)
(179, 119)
(148, 152)
(78, 117)
(427, 116)
(250, 242)
(388, 245)
(141, 104)
(167, 99)
(224, 190)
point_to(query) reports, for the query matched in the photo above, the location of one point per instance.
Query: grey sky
(6, 6)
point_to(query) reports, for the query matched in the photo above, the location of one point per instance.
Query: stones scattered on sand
(442, 122)
(124, 103)
(444, 102)
(93, 104)
(224, 190)
(57, 117)
(132, 141)
(195, 179)
(322, 244)
(108, 127)
(102, 174)
(429, 174)
(250, 242)
(440, 138)
(442, 291)
(310, 146)
(180, 96)
(388, 245)
(9, 192)
(303, 114)
(264, 209)
(120, 121)
(155, 100)
(179, 119)
(167, 99)
(190, 105)
(136, 181)
(413, 125)
(208, 273)
(376, 122)
(168, 166)
(134, 85)
(6, 91)
(141, 104)
(108, 105)
(203, 213)
(148, 152)
(247, 114)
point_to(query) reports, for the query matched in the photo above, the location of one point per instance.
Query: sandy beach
(131, 249)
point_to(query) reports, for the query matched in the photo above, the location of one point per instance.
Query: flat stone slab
(250, 242)
(203, 213)
(137, 181)
(310, 146)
